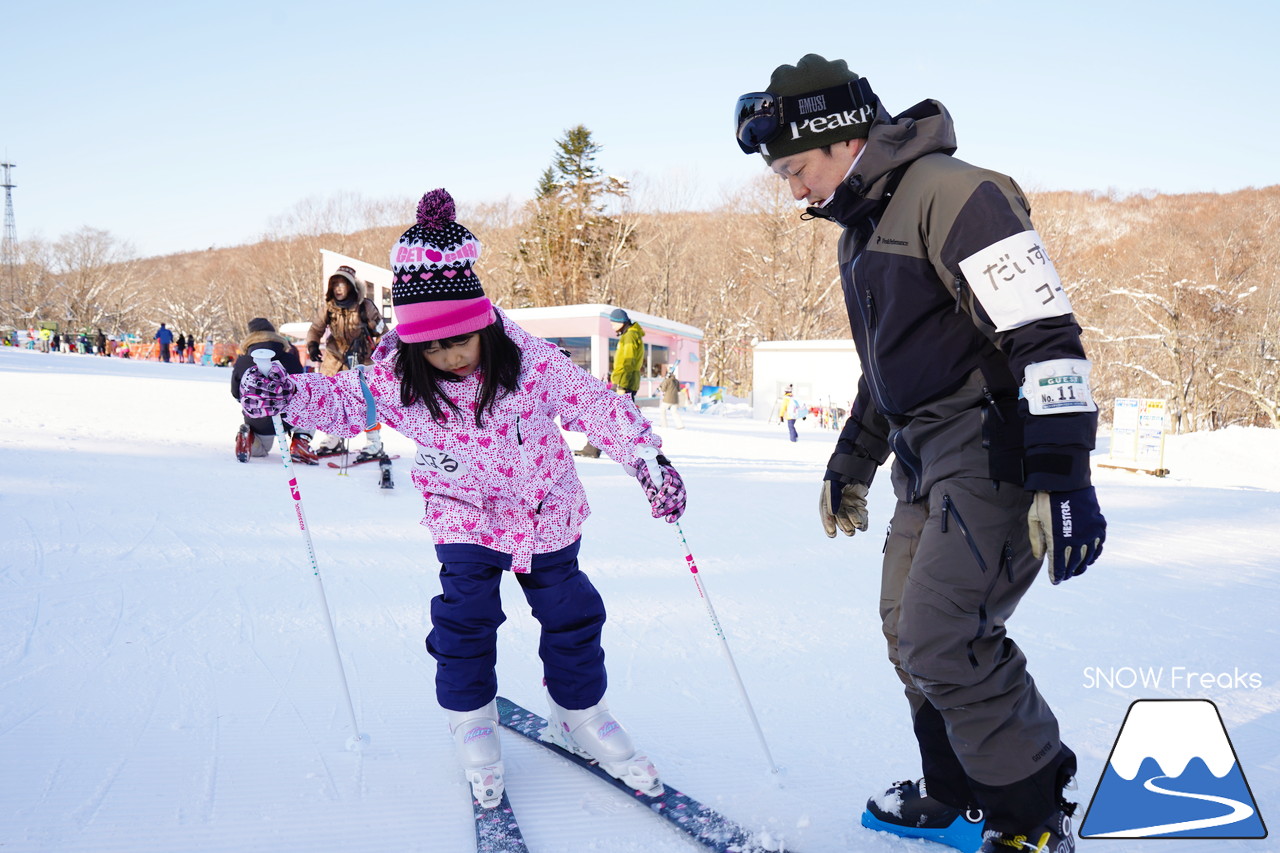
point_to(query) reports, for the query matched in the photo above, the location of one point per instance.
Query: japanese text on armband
(1057, 386)
(436, 461)
(1016, 282)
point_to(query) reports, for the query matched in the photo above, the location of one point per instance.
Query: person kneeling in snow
(256, 435)
(480, 395)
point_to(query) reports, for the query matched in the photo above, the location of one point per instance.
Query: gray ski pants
(955, 567)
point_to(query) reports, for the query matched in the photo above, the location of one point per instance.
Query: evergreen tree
(572, 246)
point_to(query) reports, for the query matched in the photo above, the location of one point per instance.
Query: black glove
(1068, 526)
(313, 350)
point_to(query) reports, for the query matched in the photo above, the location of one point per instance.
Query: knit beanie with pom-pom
(434, 289)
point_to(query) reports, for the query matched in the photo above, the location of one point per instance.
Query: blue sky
(184, 126)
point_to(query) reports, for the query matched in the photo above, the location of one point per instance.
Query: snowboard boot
(907, 810)
(300, 450)
(243, 442)
(594, 733)
(475, 737)
(1052, 836)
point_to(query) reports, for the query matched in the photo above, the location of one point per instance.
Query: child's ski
(496, 828)
(384, 474)
(708, 827)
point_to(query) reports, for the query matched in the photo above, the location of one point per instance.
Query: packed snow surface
(167, 681)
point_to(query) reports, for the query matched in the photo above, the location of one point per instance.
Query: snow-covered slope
(166, 682)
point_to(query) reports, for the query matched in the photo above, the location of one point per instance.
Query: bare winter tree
(95, 282)
(28, 284)
(791, 263)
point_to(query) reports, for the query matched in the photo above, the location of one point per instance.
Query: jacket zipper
(959, 285)
(910, 464)
(867, 312)
(524, 459)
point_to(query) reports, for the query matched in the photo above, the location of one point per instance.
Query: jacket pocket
(1003, 568)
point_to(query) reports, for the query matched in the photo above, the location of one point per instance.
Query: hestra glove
(1069, 527)
(842, 505)
(262, 396)
(666, 500)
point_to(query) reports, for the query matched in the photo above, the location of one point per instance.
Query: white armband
(1057, 386)
(1016, 282)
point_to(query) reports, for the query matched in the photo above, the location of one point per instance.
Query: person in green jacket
(626, 364)
(630, 354)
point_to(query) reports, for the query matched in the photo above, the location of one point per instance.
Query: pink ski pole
(262, 359)
(649, 455)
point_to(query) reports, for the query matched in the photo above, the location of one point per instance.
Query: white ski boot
(594, 733)
(475, 736)
(372, 448)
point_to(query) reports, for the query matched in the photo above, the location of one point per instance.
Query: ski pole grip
(262, 359)
(649, 455)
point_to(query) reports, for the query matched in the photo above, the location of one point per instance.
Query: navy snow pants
(466, 615)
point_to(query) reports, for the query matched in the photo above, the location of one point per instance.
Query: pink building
(586, 332)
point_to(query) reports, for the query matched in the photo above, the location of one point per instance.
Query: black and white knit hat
(434, 288)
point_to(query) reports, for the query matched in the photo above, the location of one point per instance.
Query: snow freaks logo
(1173, 773)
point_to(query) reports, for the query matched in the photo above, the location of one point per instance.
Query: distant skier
(355, 326)
(789, 409)
(256, 435)
(165, 338)
(670, 401)
(974, 377)
(480, 396)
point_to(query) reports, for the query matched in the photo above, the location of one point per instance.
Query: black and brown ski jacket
(940, 378)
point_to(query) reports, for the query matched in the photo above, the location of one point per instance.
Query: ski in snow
(496, 828)
(704, 825)
(384, 474)
(355, 464)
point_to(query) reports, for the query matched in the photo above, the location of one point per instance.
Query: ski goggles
(761, 116)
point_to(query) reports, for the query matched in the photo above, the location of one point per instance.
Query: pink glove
(667, 501)
(265, 396)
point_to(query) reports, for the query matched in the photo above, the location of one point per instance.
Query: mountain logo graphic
(1173, 773)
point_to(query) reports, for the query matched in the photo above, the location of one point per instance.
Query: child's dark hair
(420, 382)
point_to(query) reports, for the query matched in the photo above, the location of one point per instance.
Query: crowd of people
(165, 345)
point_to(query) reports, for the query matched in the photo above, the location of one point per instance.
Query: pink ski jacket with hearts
(509, 485)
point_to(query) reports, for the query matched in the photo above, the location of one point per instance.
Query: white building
(820, 373)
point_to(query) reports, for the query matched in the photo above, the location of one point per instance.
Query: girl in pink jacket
(480, 397)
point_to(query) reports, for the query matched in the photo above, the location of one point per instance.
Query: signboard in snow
(1137, 435)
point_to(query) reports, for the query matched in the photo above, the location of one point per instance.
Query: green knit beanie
(819, 124)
